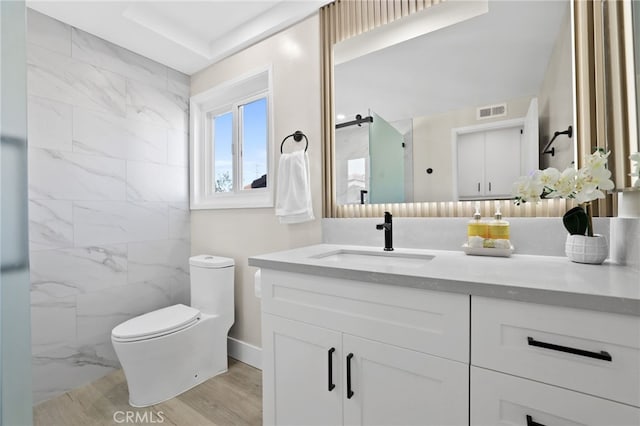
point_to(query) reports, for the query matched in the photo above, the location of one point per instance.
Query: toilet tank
(212, 284)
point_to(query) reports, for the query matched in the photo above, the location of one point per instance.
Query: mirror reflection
(458, 113)
(635, 9)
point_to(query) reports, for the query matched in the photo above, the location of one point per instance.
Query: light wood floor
(233, 398)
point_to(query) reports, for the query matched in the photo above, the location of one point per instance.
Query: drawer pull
(331, 384)
(530, 422)
(605, 356)
(349, 391)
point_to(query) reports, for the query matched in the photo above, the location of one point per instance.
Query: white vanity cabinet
(302, 373)
(547, 365)
(443, 343)
(347, 352)
(503, 400)
(397, 386)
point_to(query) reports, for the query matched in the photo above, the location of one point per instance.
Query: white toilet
(168, 351)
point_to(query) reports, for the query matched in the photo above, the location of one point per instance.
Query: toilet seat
(157, 323)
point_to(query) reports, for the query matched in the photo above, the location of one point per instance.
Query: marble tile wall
(109, 218)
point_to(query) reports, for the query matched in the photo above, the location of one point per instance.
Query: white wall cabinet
(488, 162)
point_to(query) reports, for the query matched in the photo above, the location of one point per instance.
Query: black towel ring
(297, 136)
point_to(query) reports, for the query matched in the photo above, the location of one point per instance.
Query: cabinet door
(592, 352)
(500, 399)
(470, 165)
(396, 386)
(502, 160)
(296, 376)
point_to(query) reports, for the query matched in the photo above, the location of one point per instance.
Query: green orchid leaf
(576, 221)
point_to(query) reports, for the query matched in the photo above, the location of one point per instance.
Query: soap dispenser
(498, 227)
(476, 229)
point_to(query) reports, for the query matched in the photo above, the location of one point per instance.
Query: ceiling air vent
(491, 111)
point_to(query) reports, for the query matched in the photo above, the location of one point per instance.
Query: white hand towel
(293, 195)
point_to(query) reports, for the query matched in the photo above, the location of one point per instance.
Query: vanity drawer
(592, 352)
(500, 399)
(436, 323)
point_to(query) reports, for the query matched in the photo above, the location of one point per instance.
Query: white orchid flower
(584, 185)
(549, 177)
(566, 185)
(598, 159)
(527, 189)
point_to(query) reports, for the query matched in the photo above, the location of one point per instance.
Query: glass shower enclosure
(15, 321)
(371, 162)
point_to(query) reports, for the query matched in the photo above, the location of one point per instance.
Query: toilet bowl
(168, 351)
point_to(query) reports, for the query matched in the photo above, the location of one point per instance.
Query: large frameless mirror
(635, 166)
(457, 113)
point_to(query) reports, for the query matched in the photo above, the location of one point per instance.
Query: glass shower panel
(15, 321)
(386, 150)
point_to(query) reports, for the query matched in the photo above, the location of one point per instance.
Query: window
(231, 158)
(246, 141)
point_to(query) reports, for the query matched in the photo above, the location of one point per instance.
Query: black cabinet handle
(349, 391)
(489, 186)
(605, 356)
(478, 186)
(530, 422)
(331, 385)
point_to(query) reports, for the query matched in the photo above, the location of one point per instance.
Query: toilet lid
(208, 261)
(157, 323)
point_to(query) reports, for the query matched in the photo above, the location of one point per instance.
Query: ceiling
(497, 56)
(185, 35)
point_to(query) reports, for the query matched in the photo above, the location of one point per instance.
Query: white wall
(108, 197)
(556, 102)
(240, 233)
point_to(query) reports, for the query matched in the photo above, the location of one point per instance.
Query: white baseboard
(244, 352)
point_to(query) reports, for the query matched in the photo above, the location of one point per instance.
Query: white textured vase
(584, 249)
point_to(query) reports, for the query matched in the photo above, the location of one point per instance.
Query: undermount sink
(373, 258)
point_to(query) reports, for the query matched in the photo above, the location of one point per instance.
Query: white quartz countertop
(537, 279)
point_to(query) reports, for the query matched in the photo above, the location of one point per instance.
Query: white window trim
(215, 100)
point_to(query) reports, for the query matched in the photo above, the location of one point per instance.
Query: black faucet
(388, 231)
